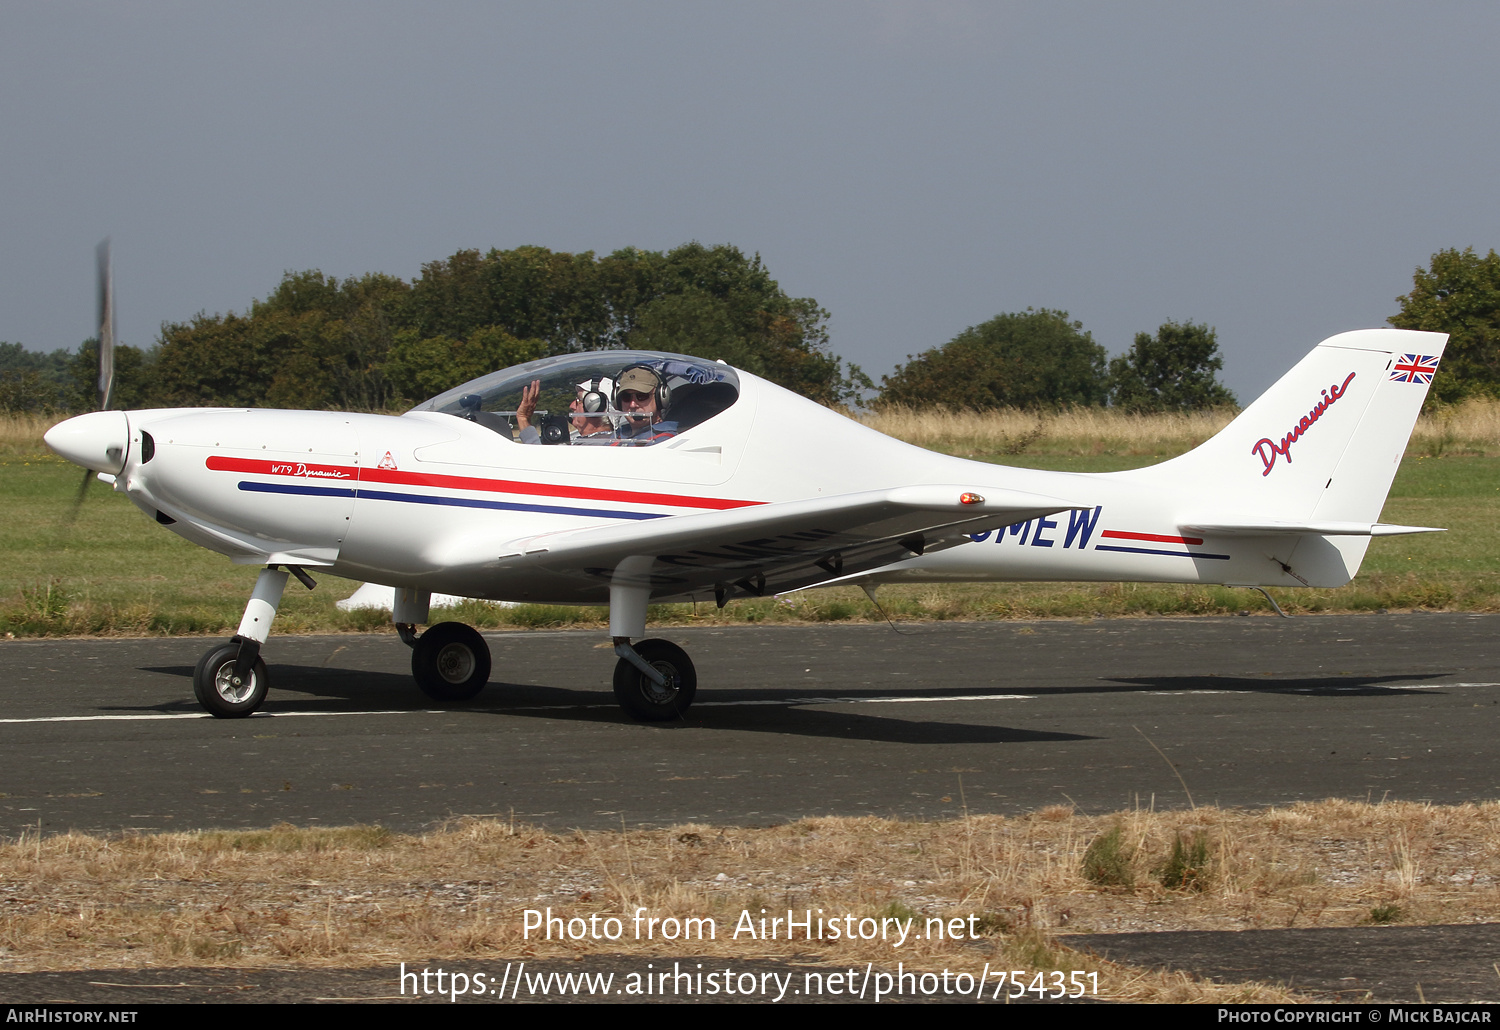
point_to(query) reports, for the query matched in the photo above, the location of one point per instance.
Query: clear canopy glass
(574, 385)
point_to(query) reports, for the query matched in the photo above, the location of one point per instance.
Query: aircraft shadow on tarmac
(795, 711)
(395, 691)
(805, 721)
(1323, 686)
(767, 711)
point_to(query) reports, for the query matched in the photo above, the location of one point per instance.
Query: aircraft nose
(96, 441)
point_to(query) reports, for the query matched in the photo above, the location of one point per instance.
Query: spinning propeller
(97, 441)
(106, 288)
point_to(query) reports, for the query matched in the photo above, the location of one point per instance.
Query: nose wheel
(451, 662)
(230, 680)
(646, 699)
(225, 693)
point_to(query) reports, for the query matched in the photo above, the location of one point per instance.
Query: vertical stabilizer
(1322, 444)
(1313, 458)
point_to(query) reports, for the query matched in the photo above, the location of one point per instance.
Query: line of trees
(1458, 293)
(63, 380)
(321, 343)
(1042, 359)
(378, 343)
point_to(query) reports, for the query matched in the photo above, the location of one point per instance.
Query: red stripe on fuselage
(1153, 537)
(348, 473)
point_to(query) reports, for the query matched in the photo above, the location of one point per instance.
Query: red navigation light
(969, 498)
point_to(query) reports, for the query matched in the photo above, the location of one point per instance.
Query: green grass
(1106, 861)
(114, 571)
(1186, 868)
(288, 839)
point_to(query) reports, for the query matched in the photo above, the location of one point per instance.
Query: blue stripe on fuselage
(458, 502)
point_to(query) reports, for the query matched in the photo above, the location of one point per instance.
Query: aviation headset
(594, 400)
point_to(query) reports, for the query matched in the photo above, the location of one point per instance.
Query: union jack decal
(1414, 368)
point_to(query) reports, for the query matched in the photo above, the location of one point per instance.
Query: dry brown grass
(1472, 427)
(362, 896)
(22, 434)
(1008, 431)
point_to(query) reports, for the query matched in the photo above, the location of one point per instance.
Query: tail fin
(1321, 444)
(1316, 453)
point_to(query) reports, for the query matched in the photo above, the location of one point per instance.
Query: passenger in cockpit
(525, 410)
(589, 425)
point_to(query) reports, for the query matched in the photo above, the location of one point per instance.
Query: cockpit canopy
(579, 388)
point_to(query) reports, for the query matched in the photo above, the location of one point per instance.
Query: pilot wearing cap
(641, 396)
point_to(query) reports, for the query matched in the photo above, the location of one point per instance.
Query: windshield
(637, 397)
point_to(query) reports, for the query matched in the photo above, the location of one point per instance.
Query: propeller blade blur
(83, 490)
(106, 283)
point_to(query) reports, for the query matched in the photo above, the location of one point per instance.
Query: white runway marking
(783, 702)
(867, 700)
(163, 716)
(159, 716)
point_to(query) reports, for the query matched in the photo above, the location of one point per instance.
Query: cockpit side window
(695, 403)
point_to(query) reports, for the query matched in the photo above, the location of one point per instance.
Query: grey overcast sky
(1276, 170)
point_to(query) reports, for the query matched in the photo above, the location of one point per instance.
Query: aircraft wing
(767, 548)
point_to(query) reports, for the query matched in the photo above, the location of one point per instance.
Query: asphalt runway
(791, 721)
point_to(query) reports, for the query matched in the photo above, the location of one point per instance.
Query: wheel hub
(666, 692)
(455, 663)
(230, 687)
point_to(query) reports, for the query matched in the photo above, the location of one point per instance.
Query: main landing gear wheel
(643, 698)
(214, 686)
(451, 662)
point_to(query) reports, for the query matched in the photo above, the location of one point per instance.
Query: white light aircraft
(716, 484)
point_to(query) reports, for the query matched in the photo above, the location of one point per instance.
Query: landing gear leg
(230, 680)
(411, 610)
(654, 680)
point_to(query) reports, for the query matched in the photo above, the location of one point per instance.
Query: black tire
(451, 662)
(645, 700)
(213, 686)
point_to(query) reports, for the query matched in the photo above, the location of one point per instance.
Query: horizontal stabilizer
(1279, 527)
